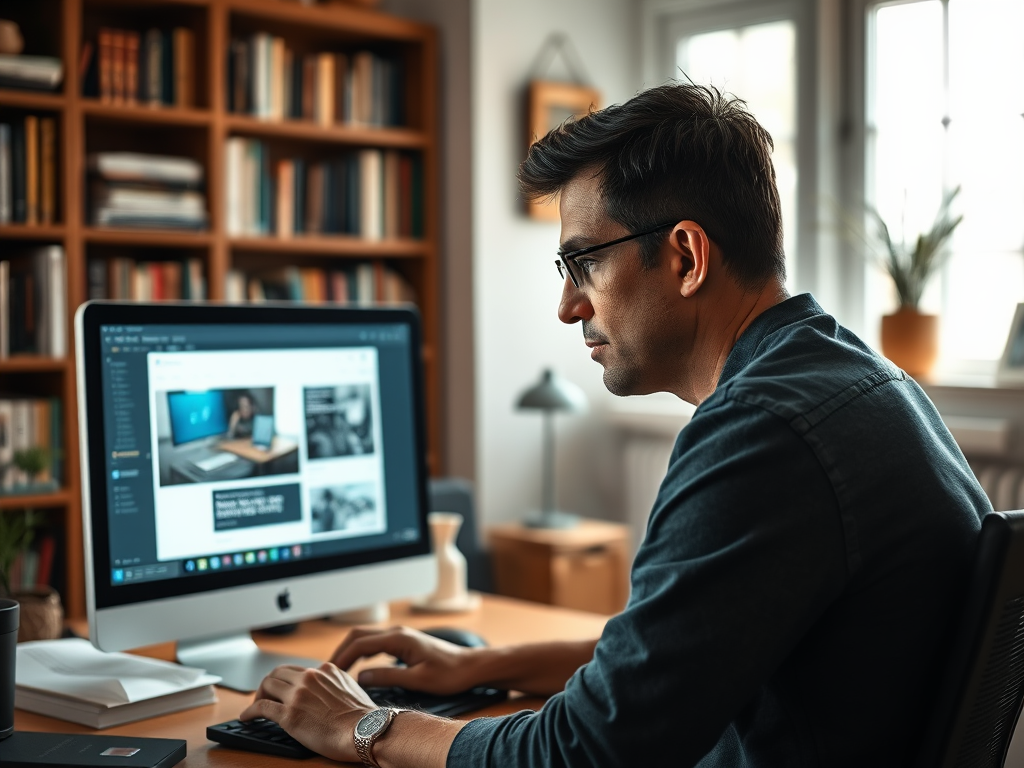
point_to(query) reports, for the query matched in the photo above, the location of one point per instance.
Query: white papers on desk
(71, 680)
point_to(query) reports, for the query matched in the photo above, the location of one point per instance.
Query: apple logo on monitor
(284, 601)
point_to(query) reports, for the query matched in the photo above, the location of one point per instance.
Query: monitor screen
(245, 466)
(195, 415)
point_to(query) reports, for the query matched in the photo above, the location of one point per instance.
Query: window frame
(821, 259)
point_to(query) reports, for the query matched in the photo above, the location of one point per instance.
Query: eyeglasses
(567, 265)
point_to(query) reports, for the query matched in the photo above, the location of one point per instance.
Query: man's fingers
(386, 677)
(395, 643)
(356, 634)
(271, 710)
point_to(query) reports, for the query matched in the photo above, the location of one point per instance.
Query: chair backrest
(453, 494)
(980, 696)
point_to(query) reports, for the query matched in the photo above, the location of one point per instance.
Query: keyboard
(267, 737)
(216, 461)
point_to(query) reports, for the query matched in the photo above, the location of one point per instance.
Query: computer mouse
(463, 637)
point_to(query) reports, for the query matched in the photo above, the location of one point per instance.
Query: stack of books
(155, 68)
(71, 680)
(125, 278)
(362, 284)
(268, 80)
(149, 191)
(28, 170)
(33, 303)
(25, 424)
(36, 73)
(369, 193)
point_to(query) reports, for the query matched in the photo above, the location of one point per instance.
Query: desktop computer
(245, 466)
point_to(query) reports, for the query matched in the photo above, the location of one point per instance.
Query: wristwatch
(371, 727)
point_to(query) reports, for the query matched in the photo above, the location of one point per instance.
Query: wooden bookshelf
(87, 124)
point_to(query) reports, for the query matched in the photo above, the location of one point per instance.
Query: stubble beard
(622, 379)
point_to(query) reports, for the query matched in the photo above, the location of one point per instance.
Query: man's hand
(434, 666)
(318, 707)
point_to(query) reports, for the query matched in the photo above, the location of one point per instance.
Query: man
(792, 601)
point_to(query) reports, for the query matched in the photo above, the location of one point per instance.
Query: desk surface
(502, 621)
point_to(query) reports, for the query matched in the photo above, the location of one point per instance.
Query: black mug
(9, 614)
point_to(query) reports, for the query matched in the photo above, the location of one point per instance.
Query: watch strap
(381, 720)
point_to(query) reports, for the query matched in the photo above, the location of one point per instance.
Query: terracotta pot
(11, 41)
(42, 615)
(911, 340)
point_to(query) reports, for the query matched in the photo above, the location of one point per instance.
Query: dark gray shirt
(792, 601)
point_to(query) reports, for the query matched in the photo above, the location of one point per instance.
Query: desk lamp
(553, 393)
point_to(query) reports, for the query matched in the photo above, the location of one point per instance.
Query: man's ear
(691, 251)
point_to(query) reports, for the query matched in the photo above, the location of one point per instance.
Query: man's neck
(725, 331)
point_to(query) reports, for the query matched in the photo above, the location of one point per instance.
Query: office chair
(980, 696)
(453, 494)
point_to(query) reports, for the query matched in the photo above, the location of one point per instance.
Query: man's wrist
(416, 740)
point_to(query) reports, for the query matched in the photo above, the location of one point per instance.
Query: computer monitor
(246, 466)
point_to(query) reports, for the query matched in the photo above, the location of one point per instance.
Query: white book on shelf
(136, 166)
(366, 284)
(33, 71)
(167, 201)
(72, 680)
(234, 286)
(57, 282)
(233, 179)
(370, 194)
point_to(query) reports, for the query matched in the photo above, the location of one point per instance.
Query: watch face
(371, 723)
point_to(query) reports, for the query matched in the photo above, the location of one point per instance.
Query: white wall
(451, 18)
(516, 287)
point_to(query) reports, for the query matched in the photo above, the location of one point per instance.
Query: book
(47, 170)
(133, 166)
(5, 314)
(18, 171)
(72, 680)
(5, 174)
(42, 73)
(153, 62)
(131, 67)
(31, 169)
(184, 68)
(117, 66)
(30, 749)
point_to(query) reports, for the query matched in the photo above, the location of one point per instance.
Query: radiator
(646, 460)
(1002, 481)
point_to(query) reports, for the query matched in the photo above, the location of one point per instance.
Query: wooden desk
(502, 621)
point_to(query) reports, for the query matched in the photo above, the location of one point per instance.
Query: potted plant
(42, 615)
(910, 338)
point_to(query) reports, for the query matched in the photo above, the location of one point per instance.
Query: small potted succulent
(42, 615)
(910, 338)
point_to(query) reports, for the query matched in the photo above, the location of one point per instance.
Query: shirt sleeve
(744, 552)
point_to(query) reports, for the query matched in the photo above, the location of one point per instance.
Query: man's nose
(575, 305)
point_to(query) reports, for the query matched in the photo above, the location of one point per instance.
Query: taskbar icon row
(237, 559)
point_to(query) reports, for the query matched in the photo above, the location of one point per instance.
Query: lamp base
(552, 519)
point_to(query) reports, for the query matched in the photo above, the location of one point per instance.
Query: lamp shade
(553, 393)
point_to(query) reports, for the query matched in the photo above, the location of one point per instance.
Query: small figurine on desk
(451, 594)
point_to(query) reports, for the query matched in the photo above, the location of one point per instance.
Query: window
(944, 103)
(758, 63)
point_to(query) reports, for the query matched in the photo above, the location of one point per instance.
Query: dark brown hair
(679, 151)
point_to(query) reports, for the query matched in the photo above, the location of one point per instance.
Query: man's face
(628, 313)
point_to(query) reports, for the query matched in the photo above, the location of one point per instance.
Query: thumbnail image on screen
(349, 508)
(208, 436)
(339, 421)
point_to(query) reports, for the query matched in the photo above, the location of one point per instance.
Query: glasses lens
(567, 267)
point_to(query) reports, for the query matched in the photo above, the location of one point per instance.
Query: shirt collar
(785, 313)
